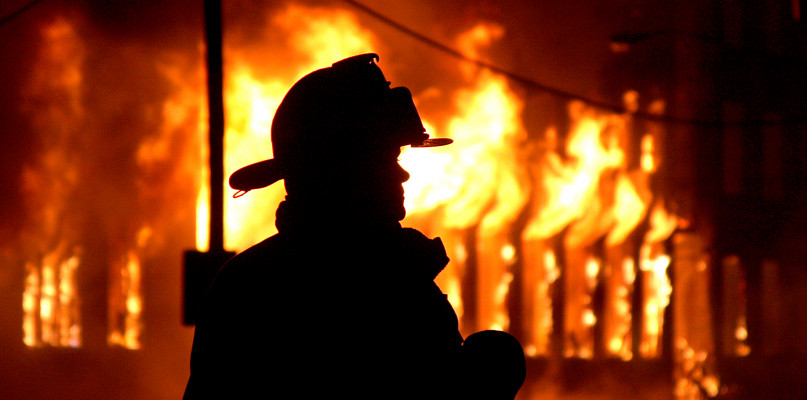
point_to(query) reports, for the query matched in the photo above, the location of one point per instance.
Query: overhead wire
(524, 81)
(10, 17)
(554, 91)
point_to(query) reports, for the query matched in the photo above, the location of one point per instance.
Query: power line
(554, 91)
(8, 18)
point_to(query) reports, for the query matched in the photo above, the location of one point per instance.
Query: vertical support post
(215, 101)
(200, 268)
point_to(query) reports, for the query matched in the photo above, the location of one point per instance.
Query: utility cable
(8, 18)
(554, 91)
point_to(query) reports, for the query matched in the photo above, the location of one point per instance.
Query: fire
(590, 194)
(125, 300)
(618, 310)
(540, 301)
(64, 238)
(126, 305)
(249, 106)
(318, 36)
(486, 129)
(571, 212)
(50, 301)
(476, 179)
(657, 287)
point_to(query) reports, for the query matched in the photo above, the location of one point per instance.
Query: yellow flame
(126, 302)
(628, 211)
(693, 377)
(30, 305)
(480, 179)
(618, 324)
(50, 302)
(477, 179)
(657, 290)
(478, 169)
(662, 224)
(741, 347)
(543, 324)
(323, 36)
(648, 160)
(568, 189)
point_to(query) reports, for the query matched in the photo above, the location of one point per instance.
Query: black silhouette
(341, 303)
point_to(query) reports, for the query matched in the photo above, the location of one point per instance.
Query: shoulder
(258, 256)
(248, 267)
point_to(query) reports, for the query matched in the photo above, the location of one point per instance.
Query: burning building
(624, 194)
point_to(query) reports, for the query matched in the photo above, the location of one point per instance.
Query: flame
(568, 190)
(618, 310)
(50, 302)
(126, 304)
(631, 201)
(322, 35)
(479, 183)
(30, 305)
(541, 303)
(56, 188)
(570, 194)
(249, 106)
(658, 290)
(485, 132)
(741, 347)
(694, 378)
(125, 299)
(591, 193)
(476, 179)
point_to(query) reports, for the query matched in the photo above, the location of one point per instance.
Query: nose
(403, 174)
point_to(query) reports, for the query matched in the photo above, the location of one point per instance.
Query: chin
(400, 215)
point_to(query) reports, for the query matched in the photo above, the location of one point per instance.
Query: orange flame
(479, 182)
(322, 35)
(476, 179)
(50, 302)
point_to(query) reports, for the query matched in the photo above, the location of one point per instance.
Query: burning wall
(517, 210)
(556, 222)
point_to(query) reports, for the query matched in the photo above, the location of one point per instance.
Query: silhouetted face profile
(336, 137)
(376, 184)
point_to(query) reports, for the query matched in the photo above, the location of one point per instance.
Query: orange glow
(50, 302)
(323, 36)
(618, 311)
(696, 380)
(569, 189)
(481, 185)
(657, 288)
(648, 147)
(476, 179)
(540, 303)
(516, 211)
(125, 298)
(126, 305)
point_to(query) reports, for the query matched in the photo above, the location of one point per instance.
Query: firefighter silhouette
(342, 300)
